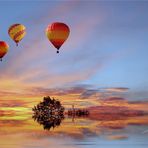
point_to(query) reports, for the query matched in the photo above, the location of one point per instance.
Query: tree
(48, 113)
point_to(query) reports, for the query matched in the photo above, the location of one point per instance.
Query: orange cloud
(117, 89)
(12, 103)
(117, 137)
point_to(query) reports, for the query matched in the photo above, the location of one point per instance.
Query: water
(22, 131)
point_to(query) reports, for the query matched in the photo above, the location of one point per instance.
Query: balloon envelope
(3, 49)
(57, 33)
(17, 32)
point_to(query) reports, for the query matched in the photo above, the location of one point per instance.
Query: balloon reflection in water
(48, 113)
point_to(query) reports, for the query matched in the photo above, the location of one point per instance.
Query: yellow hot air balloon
(57, 33)
(17, 32)
(3, 49)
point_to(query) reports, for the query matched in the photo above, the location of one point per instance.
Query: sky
(103, 66)
(105, 54)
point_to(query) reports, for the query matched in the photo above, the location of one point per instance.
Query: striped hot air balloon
(3, 49)
(57, 33)
(17, 32)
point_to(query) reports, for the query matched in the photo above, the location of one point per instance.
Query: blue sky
(107, 46)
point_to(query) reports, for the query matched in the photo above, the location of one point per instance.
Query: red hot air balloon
(57, 33)
(3, 49)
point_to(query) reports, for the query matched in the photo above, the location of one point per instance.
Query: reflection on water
(92, 131)
(50, 122)
(83, 132)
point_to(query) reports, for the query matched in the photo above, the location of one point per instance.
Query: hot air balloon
(57, 33)
(3, 49)
(17, 32)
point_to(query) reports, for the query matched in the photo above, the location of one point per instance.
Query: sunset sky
(103, 66)
(105, 54)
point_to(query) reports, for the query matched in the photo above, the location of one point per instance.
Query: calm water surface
(23, 132)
